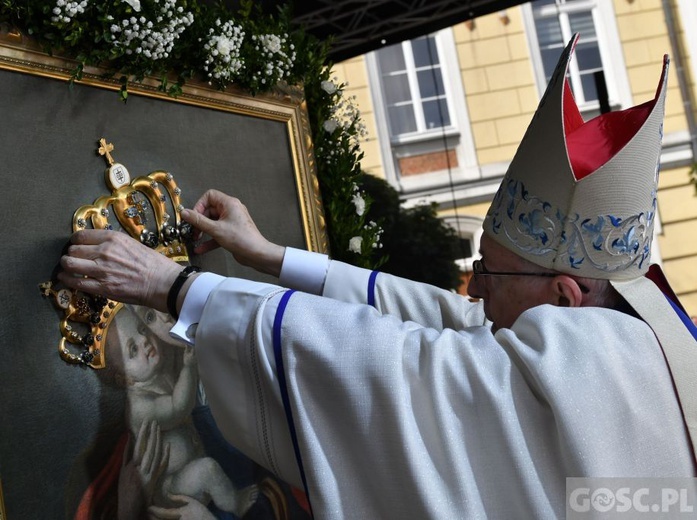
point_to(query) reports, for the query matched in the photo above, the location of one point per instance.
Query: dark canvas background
(51, 412)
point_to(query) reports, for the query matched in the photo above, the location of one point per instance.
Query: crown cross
(104, 150)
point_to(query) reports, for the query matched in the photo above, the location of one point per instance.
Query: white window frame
(416, 100)
(470, 228)
(609, 45)
(688, 16)
(459, 128)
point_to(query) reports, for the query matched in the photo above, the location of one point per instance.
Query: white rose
(328, 86)
(223, 46)
(273, 43)
(355, 245)
(330, 125)
(359, 202)
(135, 4)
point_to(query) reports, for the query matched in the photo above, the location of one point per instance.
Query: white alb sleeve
(303, 270)
(192, 307)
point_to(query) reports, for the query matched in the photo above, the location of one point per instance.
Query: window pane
(541, 3)
(550, 57)
(588, 56)
(590, 93)
(430, 83)
(436, 113)
(465, 249)
(402, 119)
(548, 31)
(551, 40)
(583, 23)
(425, 52)
(391, 59)
(396, 88)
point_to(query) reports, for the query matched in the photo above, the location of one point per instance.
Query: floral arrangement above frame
(179, 40)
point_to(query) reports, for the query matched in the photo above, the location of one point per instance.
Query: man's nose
(474, 289)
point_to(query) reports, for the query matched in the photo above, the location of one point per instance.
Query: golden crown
(149, 209)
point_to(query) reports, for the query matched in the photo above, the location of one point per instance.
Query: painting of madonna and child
(170, 461)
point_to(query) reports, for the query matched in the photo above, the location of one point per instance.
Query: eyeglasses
(479, 269)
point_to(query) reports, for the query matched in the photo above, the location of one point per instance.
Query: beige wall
(686, 33)
(645, 40)
(677, 206)
(475, 210)
(499, 83)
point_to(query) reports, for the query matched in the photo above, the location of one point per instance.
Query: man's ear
(566, 291)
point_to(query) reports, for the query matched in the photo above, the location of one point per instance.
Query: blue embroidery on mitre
(607, 242)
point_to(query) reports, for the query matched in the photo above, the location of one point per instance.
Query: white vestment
(412, 408)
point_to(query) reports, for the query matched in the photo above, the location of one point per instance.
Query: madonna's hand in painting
(187, 508)
(143, 464)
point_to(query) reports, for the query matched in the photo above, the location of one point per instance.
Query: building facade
(445, 112)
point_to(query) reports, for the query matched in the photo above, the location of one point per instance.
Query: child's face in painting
(157, 323)
(140, 356)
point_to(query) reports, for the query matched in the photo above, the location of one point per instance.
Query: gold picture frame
(3, 516)
(58, 419)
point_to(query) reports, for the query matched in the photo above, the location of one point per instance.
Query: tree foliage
(417, 243)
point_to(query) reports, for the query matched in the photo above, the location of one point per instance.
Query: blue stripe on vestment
(685, 318)
(280, 372)
(371, 288)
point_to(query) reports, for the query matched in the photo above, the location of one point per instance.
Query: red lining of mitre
(590, 145)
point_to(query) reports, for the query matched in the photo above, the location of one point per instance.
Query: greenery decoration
(418, 245)
(178, 40)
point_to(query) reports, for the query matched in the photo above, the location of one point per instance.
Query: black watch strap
(177, 286)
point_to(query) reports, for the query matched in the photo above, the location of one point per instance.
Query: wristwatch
(177, 286)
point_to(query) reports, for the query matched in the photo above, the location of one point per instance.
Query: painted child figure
(157, 391)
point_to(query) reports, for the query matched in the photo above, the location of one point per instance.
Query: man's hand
(226, 220)
(114, 265)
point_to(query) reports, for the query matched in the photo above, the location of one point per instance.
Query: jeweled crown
(149, 209)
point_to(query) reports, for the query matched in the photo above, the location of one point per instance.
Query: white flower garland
(65, 11)
(378, 230)
(154, 39)
(142, 37)
(223, 47)
(279, 57)
(344, 113)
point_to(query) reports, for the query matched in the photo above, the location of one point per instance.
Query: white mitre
(580, 198)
